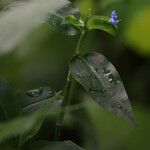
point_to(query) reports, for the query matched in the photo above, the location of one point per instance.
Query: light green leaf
(9, 107)
(102, 81)
(101, 23)
(72, 20)
(45, 145)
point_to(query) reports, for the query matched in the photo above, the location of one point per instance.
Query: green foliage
(73, 21)
(38, 101)
(101, 23)
(101, 80)
(22, 115)
(32, 100)
(66, 19)
(47, 103)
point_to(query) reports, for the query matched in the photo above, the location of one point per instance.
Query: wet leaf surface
(102, 81)
(34, 99)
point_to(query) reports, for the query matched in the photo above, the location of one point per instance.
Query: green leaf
(28, 126)
(45, 145)
(41, 100)
(34, 99)
(62, 20)
(101, 23)
(101, 80)
(56, 21)
(9, 107)
(72, 20)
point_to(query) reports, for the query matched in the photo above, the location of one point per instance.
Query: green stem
(63, 107)
(67, 91)
(81, 38)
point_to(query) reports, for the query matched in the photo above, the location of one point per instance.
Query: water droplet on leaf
(35, 92)
(80, 74)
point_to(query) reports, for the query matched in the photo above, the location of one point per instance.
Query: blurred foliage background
(41, 59)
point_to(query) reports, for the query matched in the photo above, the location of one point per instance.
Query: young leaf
(72, 20)
(45, 145)
(101, 23)
(9, 107)
(102, 81)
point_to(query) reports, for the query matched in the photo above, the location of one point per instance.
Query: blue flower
(114, 19)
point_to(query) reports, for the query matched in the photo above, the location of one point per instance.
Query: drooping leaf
(45, 145)
(101, 23)
(41, 100)
(28, 126)
(9, 106)
(102, 81)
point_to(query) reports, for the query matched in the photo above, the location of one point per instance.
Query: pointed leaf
(101, 23)
(9, 107)
(102, 81)
(45, 145)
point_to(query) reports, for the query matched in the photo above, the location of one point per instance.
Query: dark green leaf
(9, 107)
(101, 23)
(43, 100)
(45, 145)
(27, 127)
(57, 20)
(34, 99)
(101, 80)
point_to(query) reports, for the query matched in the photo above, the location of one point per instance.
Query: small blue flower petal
(113, 21)
(113, 14)
(114, 17)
